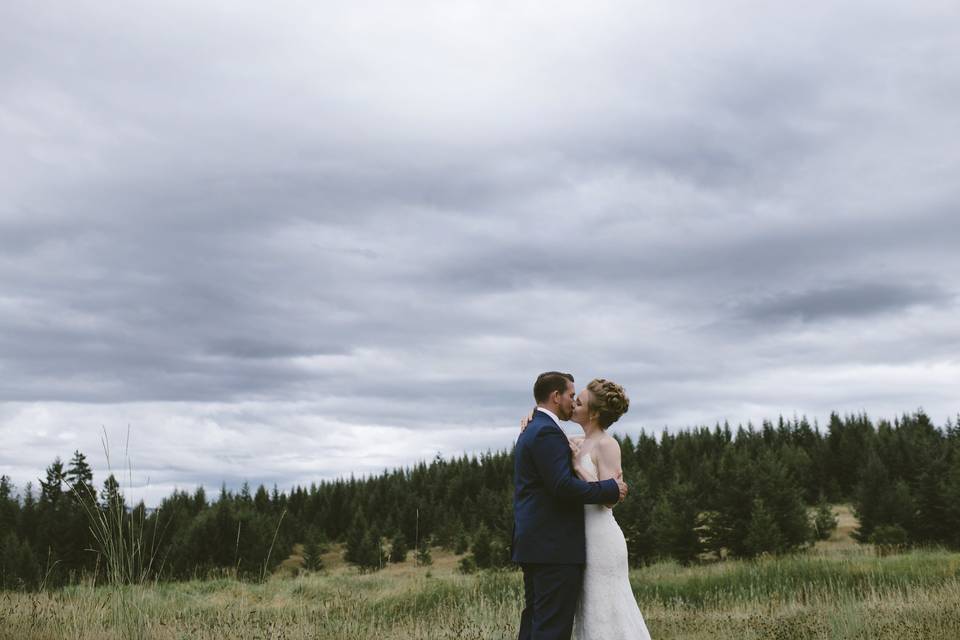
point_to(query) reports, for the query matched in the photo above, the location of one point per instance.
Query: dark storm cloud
(358, 233)
(850, 300)
(258, 348)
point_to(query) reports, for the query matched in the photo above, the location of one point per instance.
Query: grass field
(837, 590)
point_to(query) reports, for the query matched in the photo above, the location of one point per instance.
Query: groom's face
(566, 402)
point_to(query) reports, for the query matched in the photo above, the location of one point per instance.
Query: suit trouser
(551, 592)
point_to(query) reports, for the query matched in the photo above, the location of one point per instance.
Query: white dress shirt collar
(551, 414)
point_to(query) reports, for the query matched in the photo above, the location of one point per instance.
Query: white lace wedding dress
(607, 609)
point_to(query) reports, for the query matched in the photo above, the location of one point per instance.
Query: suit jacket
(548, 498)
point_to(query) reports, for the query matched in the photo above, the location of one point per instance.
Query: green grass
(795, 579)
(836, 590)
(848, 595)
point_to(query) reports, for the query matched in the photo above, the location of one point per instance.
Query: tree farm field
(837, 589)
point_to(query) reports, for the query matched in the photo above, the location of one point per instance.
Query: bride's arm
(608, 460)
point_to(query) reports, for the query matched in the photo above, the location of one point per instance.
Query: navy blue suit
(548, 538)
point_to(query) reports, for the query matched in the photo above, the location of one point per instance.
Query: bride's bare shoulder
(609, 441)
(609, 446)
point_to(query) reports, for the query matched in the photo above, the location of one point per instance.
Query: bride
(607, 609)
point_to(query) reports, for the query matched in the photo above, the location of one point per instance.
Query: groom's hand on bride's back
(621, 485)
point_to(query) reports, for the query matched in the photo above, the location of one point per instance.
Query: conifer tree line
(694, 495)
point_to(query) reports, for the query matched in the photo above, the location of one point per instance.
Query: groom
(548, 499)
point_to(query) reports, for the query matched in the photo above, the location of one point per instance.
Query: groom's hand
(621, 485)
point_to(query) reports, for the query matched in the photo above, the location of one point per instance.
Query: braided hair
(607, 400)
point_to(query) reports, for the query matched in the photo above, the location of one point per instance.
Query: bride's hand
(525, 420)
(578, 469)
(584, 473)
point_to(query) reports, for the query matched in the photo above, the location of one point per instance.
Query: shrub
(889, 539)
(824, 522)
(398, 548)
(424, 557)
(467, 564)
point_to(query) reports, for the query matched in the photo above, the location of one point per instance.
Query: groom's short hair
(549, 382)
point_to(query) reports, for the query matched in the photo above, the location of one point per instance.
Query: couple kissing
(566, 540)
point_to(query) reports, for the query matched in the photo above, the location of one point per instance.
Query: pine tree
(26, 567)
(79, 480)
(355, 538)
(51, 490)
(676, 523)
(18, 567)
(881, 502)
(460, 542)
(370, 554)
(199, 500)
(113, 506)
(635, 518)
(311, 554)
(689, 490)
(710, 532)
(9, 507)
(424, 557)
(216, 538)
(245, 498)
(277, 500)
(930, 519)
(9, 547)
(111, 498)
(763, 534)
(824, 522)
(78, 511)
(53, 519)
(952, 497)
(871, 495)
(261, 500)
(481, 548)
(28, 515)
(733, 499)
(398, 548)
(782, 497)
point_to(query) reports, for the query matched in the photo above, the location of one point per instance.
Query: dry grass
(841, 541)
(913, 596)
(840, 590)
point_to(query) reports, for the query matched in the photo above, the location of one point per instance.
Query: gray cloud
(357, 233)
(850, 300)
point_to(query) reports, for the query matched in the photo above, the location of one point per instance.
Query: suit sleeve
(551, 455)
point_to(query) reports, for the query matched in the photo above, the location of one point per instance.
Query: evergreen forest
(696, 495)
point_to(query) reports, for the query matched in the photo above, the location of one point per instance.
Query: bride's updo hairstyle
(607, 400)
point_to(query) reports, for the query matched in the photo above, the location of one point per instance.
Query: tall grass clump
(125, 557)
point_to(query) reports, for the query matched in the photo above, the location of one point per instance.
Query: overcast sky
(283, 242)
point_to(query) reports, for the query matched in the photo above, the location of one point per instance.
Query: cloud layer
(287, 243)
